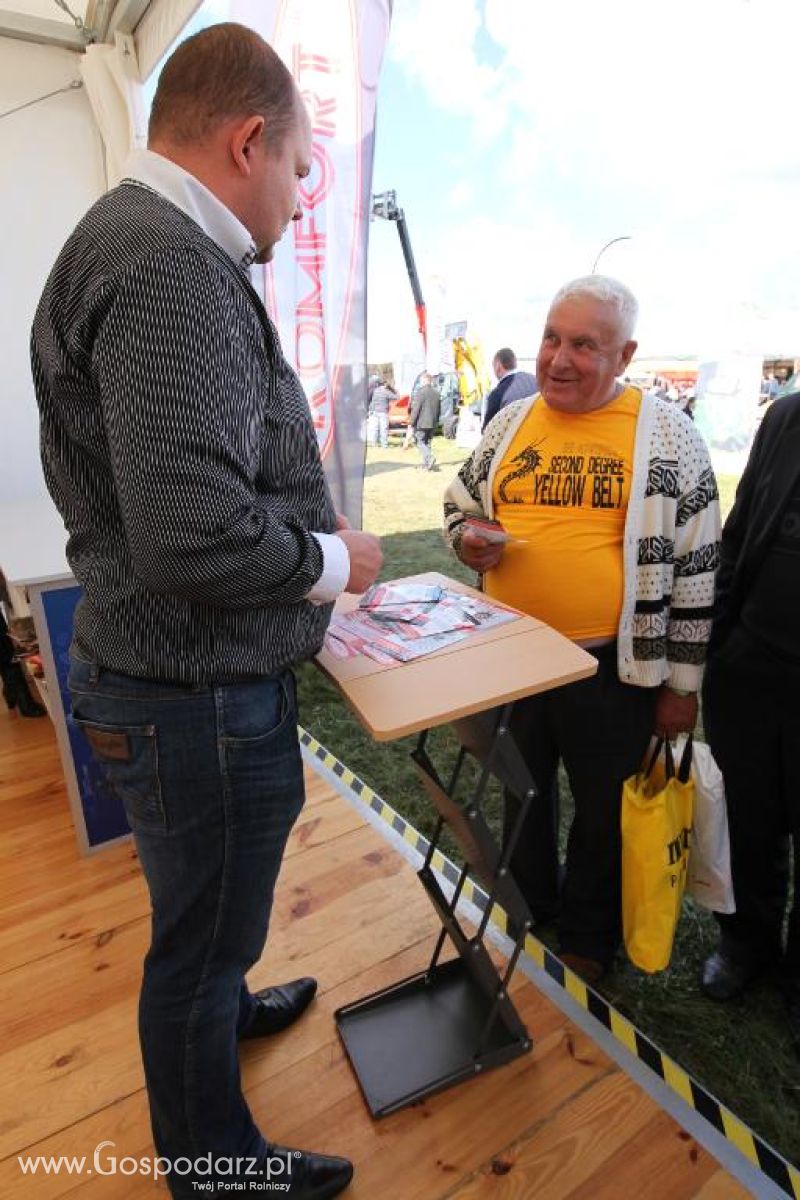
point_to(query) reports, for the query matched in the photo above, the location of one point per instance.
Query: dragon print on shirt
(529, 459)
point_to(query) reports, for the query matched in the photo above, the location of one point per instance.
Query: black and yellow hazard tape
(727, 1124)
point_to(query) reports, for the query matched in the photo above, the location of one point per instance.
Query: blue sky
(521, 137)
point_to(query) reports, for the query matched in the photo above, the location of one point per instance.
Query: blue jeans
(423, 438)
(212, 783)
(378, 429)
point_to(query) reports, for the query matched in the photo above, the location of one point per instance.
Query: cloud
(699, 84)
(461, 194)
(678, 129)
(696, 91)
(435, 42)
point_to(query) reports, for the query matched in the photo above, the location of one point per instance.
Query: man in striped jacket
(178, 445)
(610, 506)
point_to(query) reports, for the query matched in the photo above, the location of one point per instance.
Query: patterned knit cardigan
(671, 542)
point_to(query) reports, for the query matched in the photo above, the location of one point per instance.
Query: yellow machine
(473, 378)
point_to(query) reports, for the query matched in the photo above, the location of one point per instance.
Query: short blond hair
(222, 72)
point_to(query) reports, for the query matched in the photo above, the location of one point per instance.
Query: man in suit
(512, 384)
(178, 444)
(424, 419)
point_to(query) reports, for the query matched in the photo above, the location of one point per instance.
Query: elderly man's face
(581, 355)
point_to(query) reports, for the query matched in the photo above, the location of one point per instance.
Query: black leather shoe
(725, 976)
(309, 1176)
(278, 1007)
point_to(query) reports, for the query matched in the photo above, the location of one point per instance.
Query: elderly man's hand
(478, 552)
(674, 714)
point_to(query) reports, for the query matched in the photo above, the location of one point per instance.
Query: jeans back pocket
(128, 755)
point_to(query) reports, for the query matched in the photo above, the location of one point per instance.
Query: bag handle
(659, 746)
(685, 766)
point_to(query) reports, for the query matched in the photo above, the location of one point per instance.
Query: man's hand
(674, 714)
(342, 522)
(478, 552)
(366, 558)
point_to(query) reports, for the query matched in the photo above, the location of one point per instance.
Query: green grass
(727, 492)
(740, 1052)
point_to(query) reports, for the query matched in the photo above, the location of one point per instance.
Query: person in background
(512, 384)
(179, 448)
(378, 418)
(448, 413)
(769, 388)
(788, 381)
(751, 711)
(13, 682)
(611, 506)
(423, 418)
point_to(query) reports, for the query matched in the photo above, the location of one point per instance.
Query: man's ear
(627, 353)
(243, 139)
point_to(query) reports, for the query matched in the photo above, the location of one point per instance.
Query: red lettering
(309, 338)
(311, 305)
(306, 234)
(311, 197)
(317, 403)
(322, 114)
(310, 62)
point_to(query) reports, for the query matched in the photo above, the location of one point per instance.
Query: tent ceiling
(45, 21)
(49, 9)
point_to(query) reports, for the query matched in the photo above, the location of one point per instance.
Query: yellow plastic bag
(657, 810)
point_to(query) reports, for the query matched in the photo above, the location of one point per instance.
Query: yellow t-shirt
(562, 490)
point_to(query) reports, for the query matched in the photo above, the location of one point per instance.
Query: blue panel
(102, 810)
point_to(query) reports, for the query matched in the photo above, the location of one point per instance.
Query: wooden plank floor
(562, 1122)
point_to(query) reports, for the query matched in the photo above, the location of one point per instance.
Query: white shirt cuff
(335, 569)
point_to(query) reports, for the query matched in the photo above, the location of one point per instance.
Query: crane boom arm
(385, 205)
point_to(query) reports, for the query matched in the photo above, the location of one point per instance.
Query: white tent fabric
(112, 80)
(154, 25)
(158, 29)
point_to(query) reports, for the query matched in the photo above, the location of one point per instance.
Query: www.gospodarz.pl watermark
(271, 1174)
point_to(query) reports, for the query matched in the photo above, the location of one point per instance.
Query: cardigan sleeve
(182, 385)
(467, 495)
(461, 499)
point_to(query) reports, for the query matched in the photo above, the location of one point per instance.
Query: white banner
(315, 288)
(726, 412)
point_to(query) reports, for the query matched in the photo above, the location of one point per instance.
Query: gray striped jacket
(178, 446)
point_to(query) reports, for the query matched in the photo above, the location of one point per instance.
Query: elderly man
(178, 445)
(610, 504)
(512, 384)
